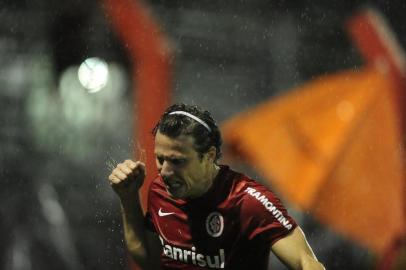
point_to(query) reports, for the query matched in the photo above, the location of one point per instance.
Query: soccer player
(202, 215)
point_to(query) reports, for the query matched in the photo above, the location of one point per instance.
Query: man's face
(186, 175)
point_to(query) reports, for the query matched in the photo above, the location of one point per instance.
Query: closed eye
(177, 161)
(174, 161)
(160, 160)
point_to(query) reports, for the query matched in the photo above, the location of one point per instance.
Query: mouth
(174, 186)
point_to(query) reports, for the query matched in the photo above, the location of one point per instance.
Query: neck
(212, 174)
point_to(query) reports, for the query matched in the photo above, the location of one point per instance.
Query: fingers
(113, 179)
(137, 165)
(125, 170)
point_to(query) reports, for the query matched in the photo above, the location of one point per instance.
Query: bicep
(294, 251)
(151, 259)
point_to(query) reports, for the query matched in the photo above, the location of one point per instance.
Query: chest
(202, 227)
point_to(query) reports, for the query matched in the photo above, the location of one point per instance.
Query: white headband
(193, 117)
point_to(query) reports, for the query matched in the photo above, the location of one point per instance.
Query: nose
(166, 169)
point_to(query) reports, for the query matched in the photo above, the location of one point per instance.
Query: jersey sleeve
(263, 215)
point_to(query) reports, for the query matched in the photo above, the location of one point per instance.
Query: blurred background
(69, 106)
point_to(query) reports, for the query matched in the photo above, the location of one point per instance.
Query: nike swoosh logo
(162, 214)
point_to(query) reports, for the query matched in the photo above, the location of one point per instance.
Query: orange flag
(332, 147)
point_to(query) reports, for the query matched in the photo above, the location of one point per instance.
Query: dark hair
(174, 125)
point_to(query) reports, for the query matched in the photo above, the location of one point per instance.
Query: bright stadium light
(93, 74)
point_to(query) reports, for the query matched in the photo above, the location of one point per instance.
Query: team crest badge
(215, 224)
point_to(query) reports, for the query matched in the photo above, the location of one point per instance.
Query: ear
(211, 154)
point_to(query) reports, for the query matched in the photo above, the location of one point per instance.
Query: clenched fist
(127, 178)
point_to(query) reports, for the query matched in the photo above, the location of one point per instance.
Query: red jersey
(232, 226)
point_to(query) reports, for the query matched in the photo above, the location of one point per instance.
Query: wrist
(130, 201)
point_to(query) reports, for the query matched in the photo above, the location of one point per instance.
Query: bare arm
(126, 179)
(295, 252)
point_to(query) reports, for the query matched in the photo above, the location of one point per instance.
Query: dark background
(58, 143)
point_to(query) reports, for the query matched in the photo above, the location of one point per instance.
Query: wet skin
(185, 172)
